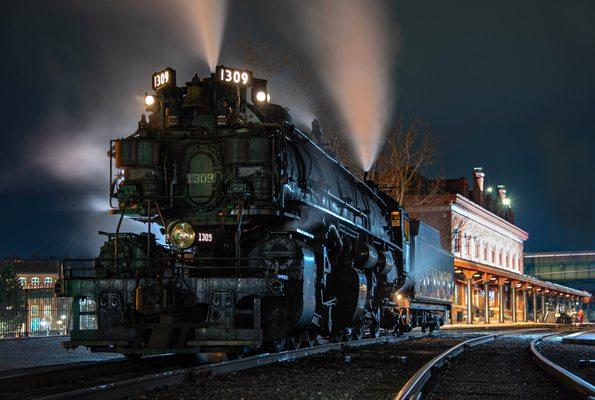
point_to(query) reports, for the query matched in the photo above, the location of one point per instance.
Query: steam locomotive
(270, 242)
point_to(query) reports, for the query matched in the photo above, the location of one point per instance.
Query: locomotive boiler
(269, 240)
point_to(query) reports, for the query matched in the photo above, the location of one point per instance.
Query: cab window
(406, 229)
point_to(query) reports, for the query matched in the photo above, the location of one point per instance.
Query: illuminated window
(35, 281)
(22, 280)
(34, 311)
(47, 310)
(47, 280)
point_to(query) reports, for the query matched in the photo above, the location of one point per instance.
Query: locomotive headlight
(261, 96)
(181, 234)
(149, 100)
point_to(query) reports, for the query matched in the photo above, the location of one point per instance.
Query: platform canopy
(519, 278)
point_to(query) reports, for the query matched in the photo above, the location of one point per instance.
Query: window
(485, 252)
(47, 310)
(457, 244)
(513, 262)
(34, 310)
(500, 258)
(47, 280)
(468, 246)
(493, 256)
(22, 280)
(35, 281)
(477, 248)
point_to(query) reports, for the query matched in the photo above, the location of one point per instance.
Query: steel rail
(413, 387)
(62, 373)
(180, 376)
(561, 375)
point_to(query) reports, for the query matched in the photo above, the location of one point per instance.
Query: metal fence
(34, 311)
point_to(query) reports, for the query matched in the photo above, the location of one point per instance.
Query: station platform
(41, 351)
(586, 338)
(499, 326)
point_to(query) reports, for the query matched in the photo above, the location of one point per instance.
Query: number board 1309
(233, 76)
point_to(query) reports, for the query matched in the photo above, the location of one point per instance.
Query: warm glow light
(458, 271)
(149, 100)
(506, 202)
(181, 235)
(261, 96)
(489, 189)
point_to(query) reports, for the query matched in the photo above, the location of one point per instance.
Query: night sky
(509, 86)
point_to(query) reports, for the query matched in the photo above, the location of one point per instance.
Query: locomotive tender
(270, 241)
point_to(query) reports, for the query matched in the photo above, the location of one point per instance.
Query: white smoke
(353, 48)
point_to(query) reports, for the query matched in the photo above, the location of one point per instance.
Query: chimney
(478, 176)
(501, 201)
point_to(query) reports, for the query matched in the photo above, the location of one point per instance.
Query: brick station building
(477, 226)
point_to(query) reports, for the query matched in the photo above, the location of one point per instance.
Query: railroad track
(562, 376)
(415, 387)
(94, 380)
(178, 376)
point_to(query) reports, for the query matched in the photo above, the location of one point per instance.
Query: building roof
(34, 266)
(561, 254)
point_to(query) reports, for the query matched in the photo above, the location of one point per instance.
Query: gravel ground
(568, 355)
(373, 372)
(502, 369)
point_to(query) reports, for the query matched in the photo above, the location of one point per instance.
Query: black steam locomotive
(270, 241)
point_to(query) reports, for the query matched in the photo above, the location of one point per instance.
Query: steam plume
(353, 48)
(208, 21)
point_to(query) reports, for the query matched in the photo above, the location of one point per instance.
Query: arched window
(500, 258)
(513, 262)
(485, 252)
(493, 255)
(468, 246)
(477, 248)
(457, 244)
(34, 310)
(47, 280)
(35, 281)
(22, 280)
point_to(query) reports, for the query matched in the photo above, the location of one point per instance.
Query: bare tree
(398, 170)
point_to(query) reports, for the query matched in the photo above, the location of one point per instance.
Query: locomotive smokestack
(478, 178)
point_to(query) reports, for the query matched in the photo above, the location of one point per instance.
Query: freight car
(269, 240)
